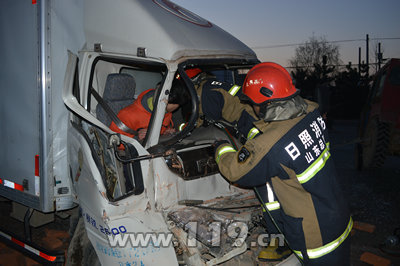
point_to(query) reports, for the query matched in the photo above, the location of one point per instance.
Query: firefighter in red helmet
(290, 167)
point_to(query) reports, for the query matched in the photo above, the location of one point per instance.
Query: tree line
(317, 72)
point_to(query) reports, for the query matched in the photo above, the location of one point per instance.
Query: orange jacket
(137, 115)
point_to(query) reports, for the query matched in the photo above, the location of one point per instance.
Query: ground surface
(374, 200)
(374, 197)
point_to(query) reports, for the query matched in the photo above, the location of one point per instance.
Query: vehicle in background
(379, 129)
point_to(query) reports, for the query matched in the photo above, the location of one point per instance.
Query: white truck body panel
(53, 47)
(36, 38)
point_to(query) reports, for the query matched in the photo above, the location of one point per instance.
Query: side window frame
(76, 91)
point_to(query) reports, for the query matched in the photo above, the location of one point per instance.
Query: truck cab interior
(117, 83)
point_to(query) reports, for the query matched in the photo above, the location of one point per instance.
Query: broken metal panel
(220, 229)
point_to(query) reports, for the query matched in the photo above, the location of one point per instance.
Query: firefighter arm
(232, 108)
(242, 114)
(218, 104)
(241, 167)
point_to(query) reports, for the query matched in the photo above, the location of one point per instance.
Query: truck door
(113, 192)
(98, 177)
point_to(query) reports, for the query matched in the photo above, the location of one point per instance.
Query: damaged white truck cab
(161, 200)
(136, 192)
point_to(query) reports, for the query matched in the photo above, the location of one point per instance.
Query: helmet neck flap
(283, 110)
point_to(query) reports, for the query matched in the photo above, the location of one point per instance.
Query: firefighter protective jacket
(292, 156)
(218, 102)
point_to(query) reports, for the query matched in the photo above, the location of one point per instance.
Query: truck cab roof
(164, 29)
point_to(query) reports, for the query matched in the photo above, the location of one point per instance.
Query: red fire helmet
(192, 72)
(267, 82)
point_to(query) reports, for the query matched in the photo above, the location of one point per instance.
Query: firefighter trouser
(340, 256)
